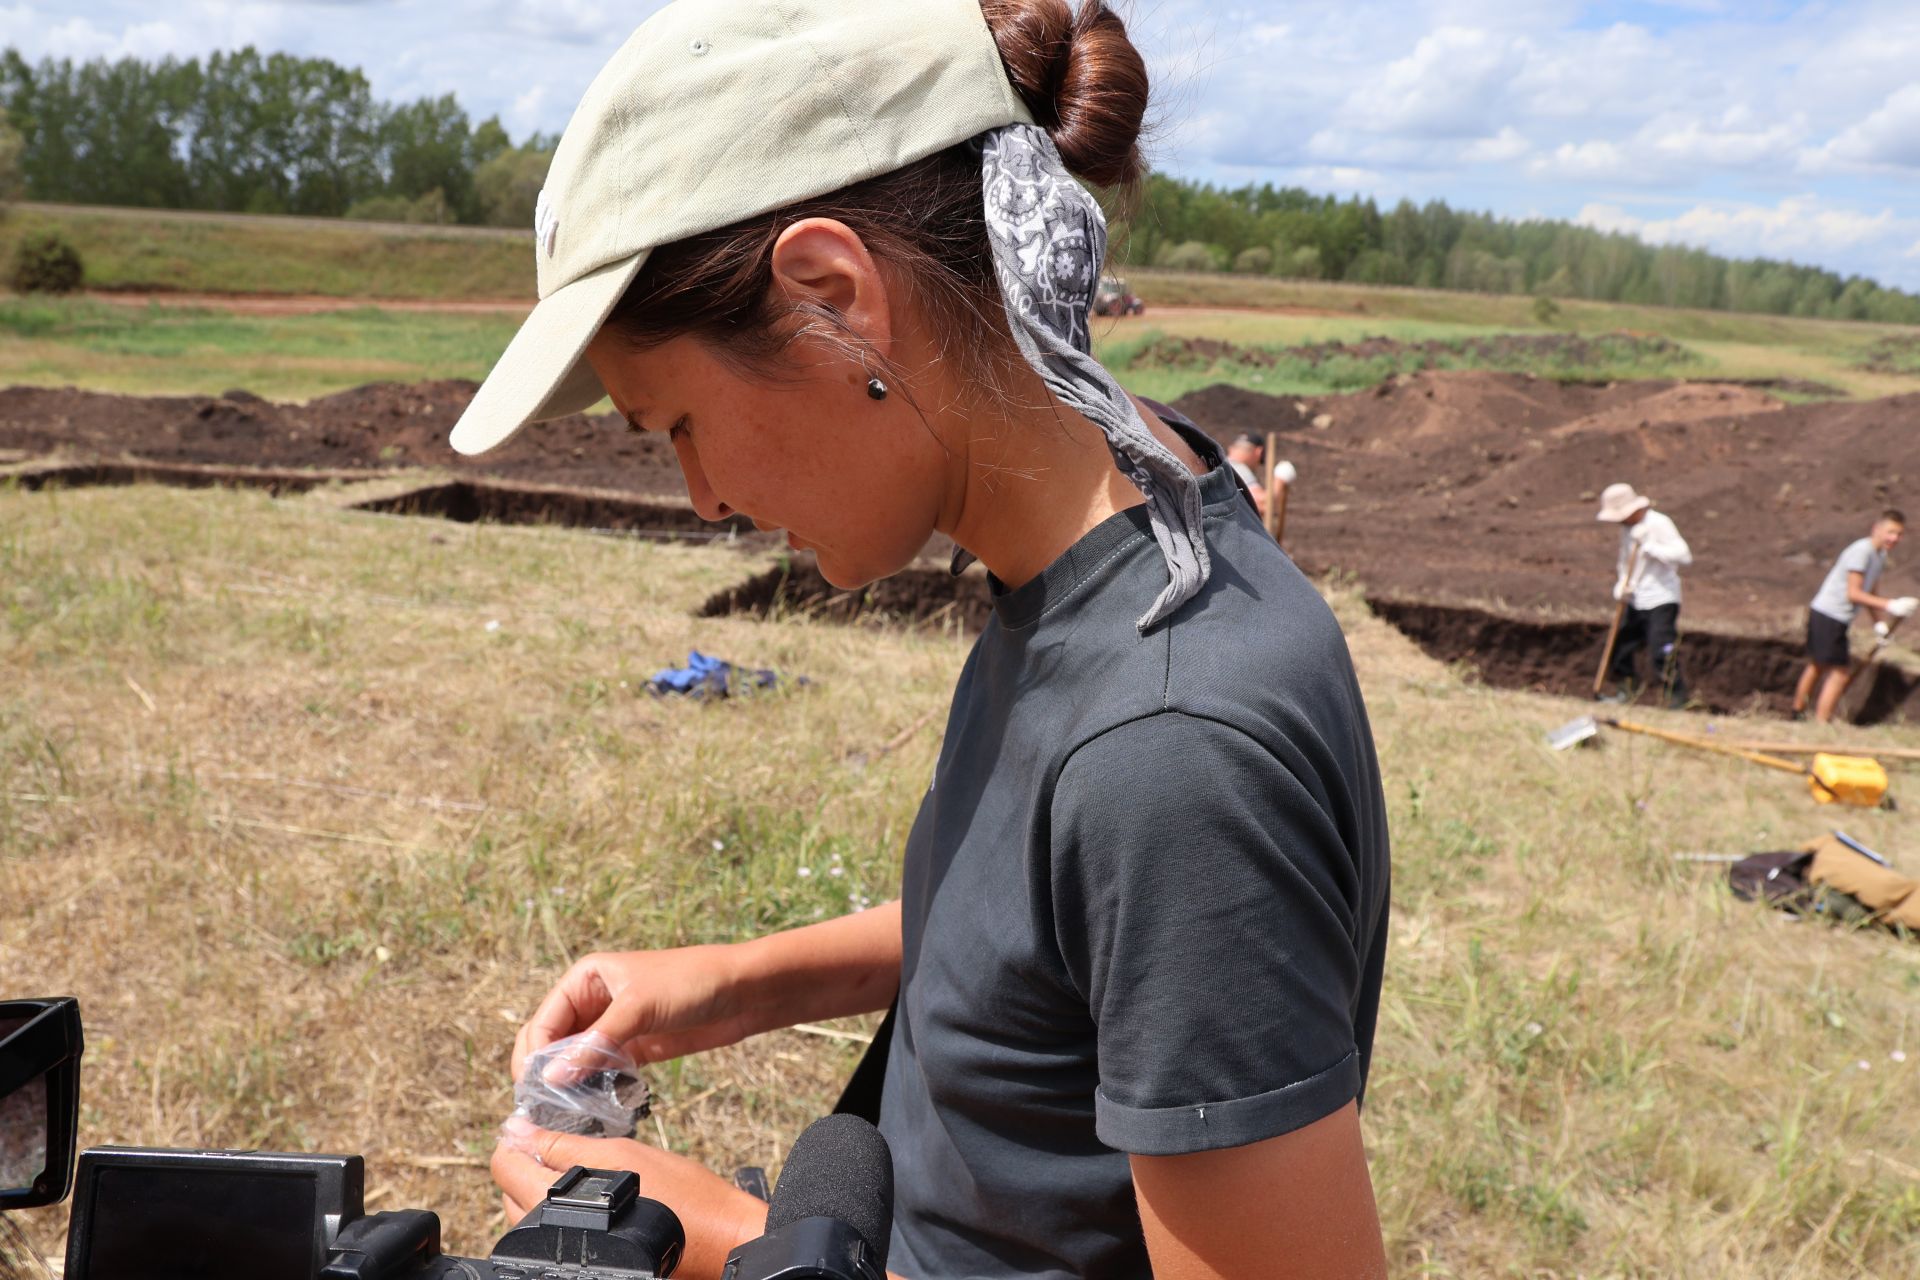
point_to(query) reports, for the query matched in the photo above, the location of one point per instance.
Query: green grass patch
(162, 251)
(1341, 366)
(156, 349)
(1897, 354)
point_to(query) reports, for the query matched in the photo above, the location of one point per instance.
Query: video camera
(151, 1214)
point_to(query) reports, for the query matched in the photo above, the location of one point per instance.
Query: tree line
(273, 133)
(248, 132)
(1288, 231)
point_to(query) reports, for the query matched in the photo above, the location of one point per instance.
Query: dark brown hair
(1894, 514)
(1084, 83)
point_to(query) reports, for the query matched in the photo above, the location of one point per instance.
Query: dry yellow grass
(308, 837)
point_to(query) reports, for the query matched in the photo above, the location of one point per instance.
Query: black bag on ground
(1777, 879)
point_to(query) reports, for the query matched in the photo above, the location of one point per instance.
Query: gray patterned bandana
(1049, 241)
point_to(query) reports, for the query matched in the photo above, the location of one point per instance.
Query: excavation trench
(913, 597)
(1725, 674)
(468, 502)
(84, 475)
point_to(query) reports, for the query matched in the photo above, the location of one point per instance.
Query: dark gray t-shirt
(1145, 901)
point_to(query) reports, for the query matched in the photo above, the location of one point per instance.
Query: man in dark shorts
(1849, 586)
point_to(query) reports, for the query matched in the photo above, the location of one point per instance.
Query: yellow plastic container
(1855, 780)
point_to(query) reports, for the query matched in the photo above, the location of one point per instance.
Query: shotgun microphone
(831, 1216)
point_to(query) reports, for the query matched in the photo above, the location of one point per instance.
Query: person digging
(1849, 587)
(1652, 553)
(1247, 455)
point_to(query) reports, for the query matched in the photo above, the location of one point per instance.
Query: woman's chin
(840, 574)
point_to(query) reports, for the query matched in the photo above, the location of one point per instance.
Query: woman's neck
(1026, 485)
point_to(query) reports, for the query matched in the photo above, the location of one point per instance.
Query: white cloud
(1598, 159)
(1500, 148)
(1451, 86)
(1804, 227)
(1890, 136)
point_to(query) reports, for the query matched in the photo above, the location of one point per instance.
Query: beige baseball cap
(715, 111)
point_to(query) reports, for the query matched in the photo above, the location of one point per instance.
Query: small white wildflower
(836, 857)
(493, 624)
(1898, 1055)
(718, 845)
(1864, 1065)
(836, 871)
(804, 872)
(818, 912)
(1534, 1028)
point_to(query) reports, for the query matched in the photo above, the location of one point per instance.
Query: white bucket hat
(720, 110)
(1619, 501)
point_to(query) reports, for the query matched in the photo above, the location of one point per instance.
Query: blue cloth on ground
(705, 676)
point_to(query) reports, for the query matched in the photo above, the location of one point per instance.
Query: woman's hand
(717, 1215)
(663, 1004)
(656, 1004)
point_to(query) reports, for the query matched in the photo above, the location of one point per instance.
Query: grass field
(309, 806)
(154, 250)
(162, 350)
(182, 349)
(157, 349)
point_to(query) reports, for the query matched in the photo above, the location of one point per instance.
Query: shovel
(1833, 779)
(1861, 664)
(1613, 632)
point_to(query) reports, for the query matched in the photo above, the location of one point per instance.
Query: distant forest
(273, 133)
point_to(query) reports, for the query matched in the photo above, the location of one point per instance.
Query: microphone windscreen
(839, 1167)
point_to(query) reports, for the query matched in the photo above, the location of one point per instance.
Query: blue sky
(1747, 126)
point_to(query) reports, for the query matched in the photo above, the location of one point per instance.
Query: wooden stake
(1276, 493)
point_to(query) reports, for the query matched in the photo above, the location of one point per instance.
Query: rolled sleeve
(1205, 906)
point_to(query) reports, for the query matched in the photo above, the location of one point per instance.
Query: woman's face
(859, 482)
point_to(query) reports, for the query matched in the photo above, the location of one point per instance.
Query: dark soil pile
(1481, 488)
(373, 427)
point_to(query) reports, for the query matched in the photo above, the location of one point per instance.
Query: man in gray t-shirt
(1848, 586)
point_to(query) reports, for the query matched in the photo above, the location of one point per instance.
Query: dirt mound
(1480, 488)
(373, 427)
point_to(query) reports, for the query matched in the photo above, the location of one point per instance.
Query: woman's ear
(821, 261)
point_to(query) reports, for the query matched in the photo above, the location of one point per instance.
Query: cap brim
(544, 373)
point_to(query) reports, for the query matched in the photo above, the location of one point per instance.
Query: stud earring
(876, 389)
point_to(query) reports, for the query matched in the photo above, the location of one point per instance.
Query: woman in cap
(836, 252)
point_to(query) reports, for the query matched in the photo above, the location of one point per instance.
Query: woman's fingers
(523, 1180)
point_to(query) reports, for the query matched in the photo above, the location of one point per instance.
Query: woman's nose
(705, 501)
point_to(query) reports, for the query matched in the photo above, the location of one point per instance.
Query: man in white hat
(1652, 553)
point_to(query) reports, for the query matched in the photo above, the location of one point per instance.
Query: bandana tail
(1049, 241)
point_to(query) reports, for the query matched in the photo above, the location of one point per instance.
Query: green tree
(11, 184)
(507, 185)
(1254, 261)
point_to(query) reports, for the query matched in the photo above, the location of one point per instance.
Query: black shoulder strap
(861, 1097)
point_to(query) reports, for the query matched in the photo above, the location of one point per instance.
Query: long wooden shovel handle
(1708, 744)
(1613, 633)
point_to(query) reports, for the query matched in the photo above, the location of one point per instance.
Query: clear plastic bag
(584, 1084)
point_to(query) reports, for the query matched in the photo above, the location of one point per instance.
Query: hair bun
(1082, 79)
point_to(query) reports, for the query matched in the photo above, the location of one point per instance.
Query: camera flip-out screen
(207, 1215)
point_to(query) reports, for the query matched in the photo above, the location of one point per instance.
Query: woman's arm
(1299, 1205)
(663, 1004)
